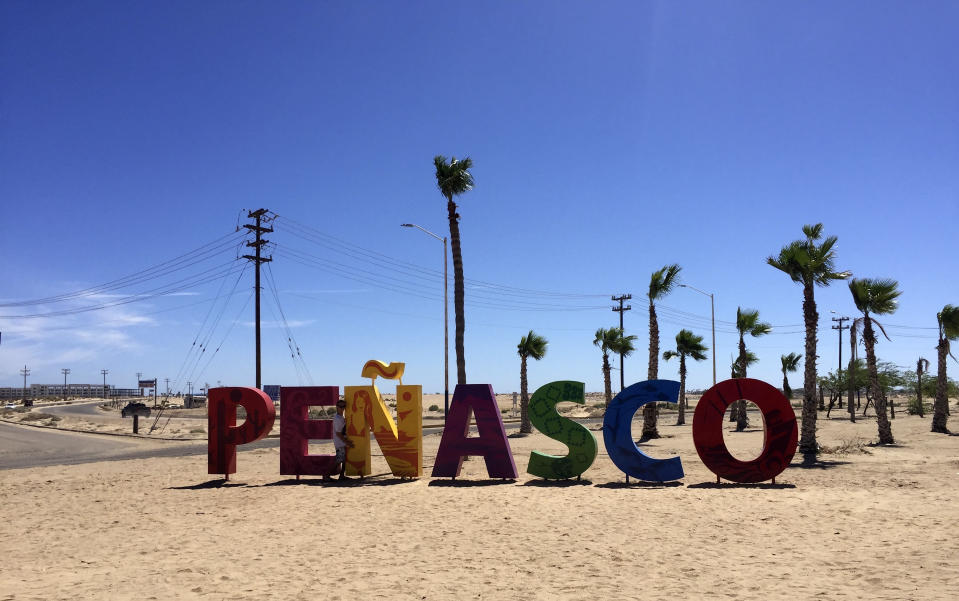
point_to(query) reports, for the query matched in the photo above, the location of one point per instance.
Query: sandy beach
(864, 523)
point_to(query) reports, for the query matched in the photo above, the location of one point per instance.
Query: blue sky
(609, 139)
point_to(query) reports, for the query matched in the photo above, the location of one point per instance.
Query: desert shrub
(197, 431)
(36, 417)
(434, 408)
(913, 407)
(854, 445)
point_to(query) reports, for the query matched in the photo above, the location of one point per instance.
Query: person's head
(340, 406)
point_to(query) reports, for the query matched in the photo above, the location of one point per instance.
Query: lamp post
(446, 321)
(712, 311)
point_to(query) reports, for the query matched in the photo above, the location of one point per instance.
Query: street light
(712, 310)
(446, 321)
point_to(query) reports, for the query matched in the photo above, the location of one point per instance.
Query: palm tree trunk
(786, 389)
(609, 387)
(650, 429)
(458, 290)
(681, 419)
(919, 388)
(878, 397)
(742, 420)
(525, 427)
(851, 373)
(941, 406)
(807, 442)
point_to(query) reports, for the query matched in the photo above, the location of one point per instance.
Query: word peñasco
(401, 440)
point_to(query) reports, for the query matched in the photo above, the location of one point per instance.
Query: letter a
(491, 444)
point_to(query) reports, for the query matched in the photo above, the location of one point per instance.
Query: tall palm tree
(612, 341)
(922, 366)
(948, 320)
(661, 283)
(875, 297)
(687, 345)
(751, 359)
(530, 346)
(790, 363)
(853, 362)
(747, 322)
(453, 178)
(809, 264)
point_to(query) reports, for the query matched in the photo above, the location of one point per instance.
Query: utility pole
(620, 309)
(24, 372)
(65, 372)
(840, 327)
(104, 372)
(257, 245)
(139, 375)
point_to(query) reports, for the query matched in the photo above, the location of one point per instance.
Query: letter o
(779, 441)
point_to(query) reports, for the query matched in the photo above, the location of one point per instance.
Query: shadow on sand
(640, 484)
(374, 480)
(813, 462)
(468, 483)
(768, 485)
(558, 483)
(218, 483)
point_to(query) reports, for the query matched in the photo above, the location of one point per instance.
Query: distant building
(272, 391)
(43, 391)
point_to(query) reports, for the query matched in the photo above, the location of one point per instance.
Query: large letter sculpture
(297, 429)
(400, 441)
(779, 441)
(225, 435)
(491, 444)
(581, 442)
(618, 436)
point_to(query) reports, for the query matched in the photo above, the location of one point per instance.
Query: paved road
(23, 446)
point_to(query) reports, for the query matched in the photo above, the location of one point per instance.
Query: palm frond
(812, 232)
(949, 322)
(662, 281)
(532, 345)
(453, 176)
(877, 296)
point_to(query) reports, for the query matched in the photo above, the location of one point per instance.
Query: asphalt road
(23, 447)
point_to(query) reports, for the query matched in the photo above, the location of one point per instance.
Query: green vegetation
(875, 297)
(661, 283)
(531, 346)
(809, 264)
(687, 345)
(453, 178)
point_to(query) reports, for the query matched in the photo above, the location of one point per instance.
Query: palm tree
(661, 283)
(612, 341)
(948, 320)
(790, 363)
(922, 366)
(687, 345)
(751, 359)
(453, 178)
(809, 264)
(747, 322)
(875, 297)
(531, 345)
(853, 363)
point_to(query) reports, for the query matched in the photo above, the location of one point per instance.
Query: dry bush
(847, 447)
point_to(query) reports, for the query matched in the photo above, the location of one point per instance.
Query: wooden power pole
(257, 245)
